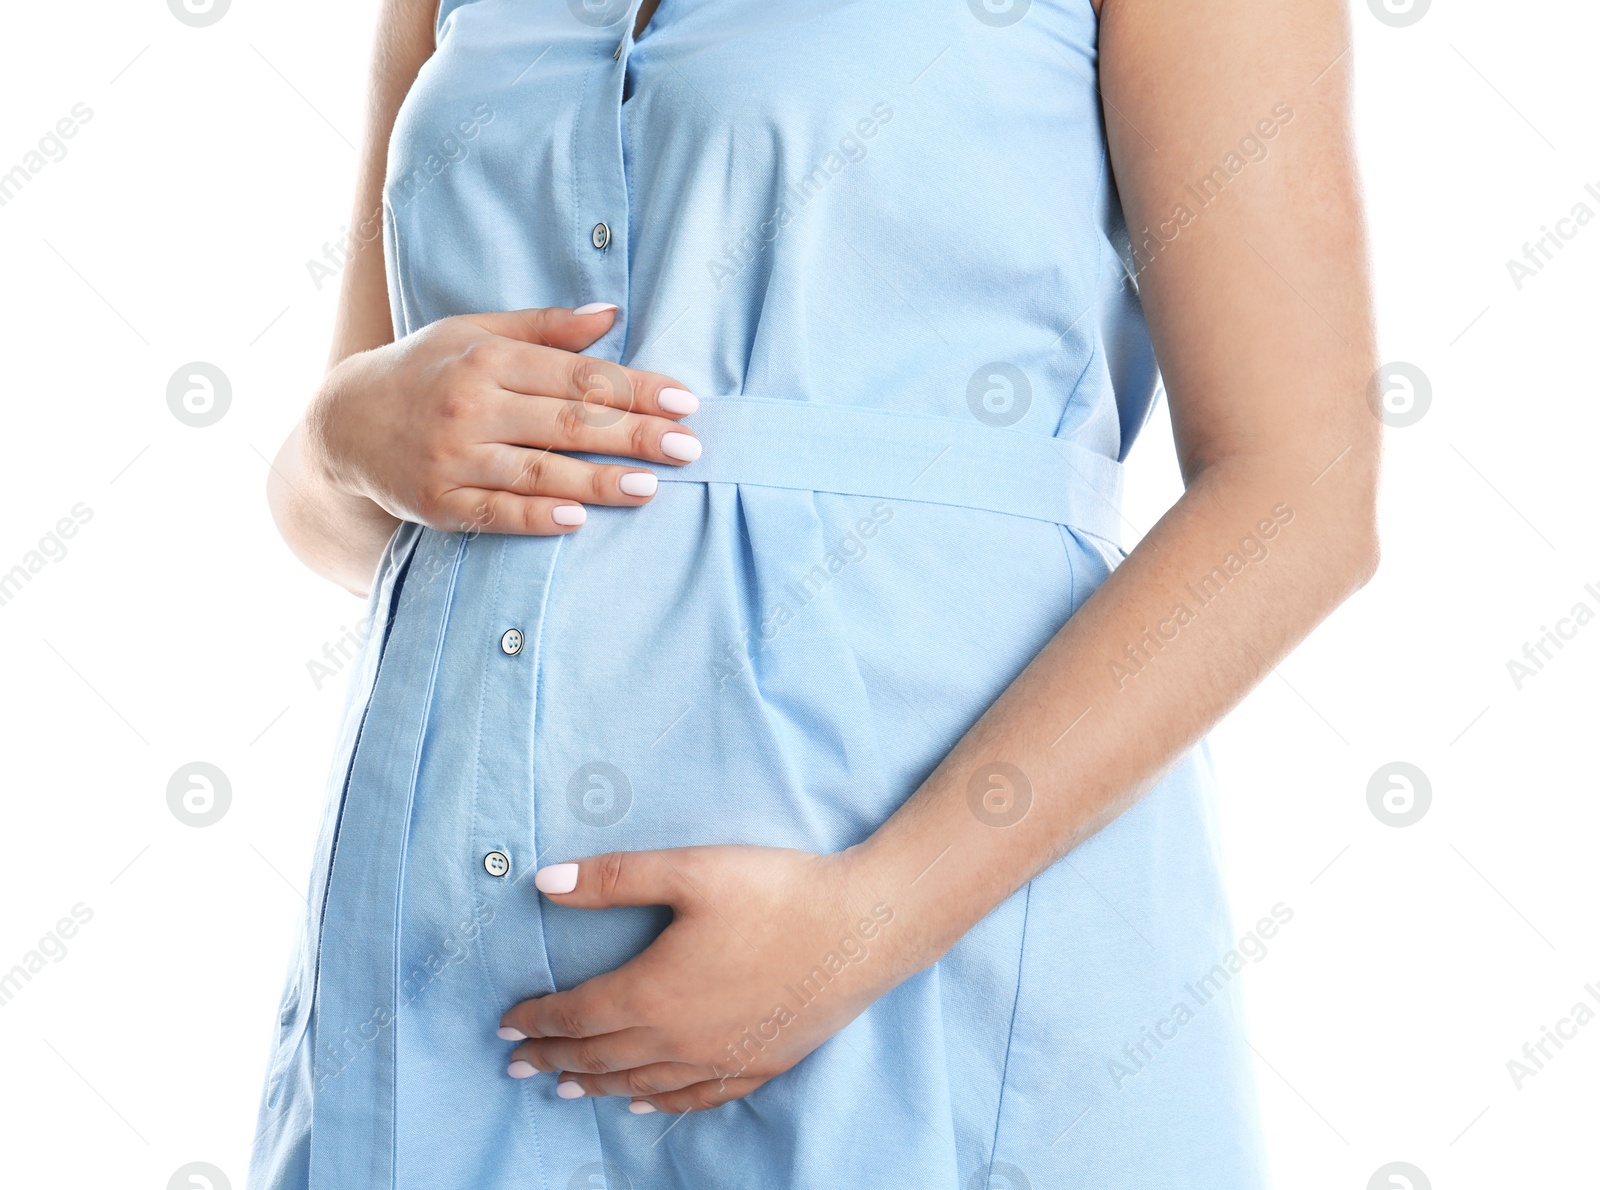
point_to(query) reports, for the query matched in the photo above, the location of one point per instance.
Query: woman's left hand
(770, 952)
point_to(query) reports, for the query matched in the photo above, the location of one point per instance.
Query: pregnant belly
(740, 664)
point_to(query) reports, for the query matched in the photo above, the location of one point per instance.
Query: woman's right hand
(458, 425)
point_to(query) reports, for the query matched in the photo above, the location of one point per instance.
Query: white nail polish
(569, 514)
(638, 483)
(569, 1090)
(678, 400)
(507, 1033)
(680, 446)
(596, 308)
(521, 1069)
(641, 1108)
(557, 878)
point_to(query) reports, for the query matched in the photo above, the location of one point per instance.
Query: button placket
(602, 189)
(501, 802)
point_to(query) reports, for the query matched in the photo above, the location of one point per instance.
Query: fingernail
(678, 400)
(507, 1033)
(638, 483)
(521, 1069)
(569, 514)
(557, 878)
(680, 446)
(596, 308)
(641, 1108)
(569, 1090)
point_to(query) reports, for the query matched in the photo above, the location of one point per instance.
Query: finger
(551, 326)
(539, 371)
(596, 1007)
(699, 1097)
(602, 1054)
(618, 878)
(654, 1079)
(555, 423)
(546, 473)
(484, 510)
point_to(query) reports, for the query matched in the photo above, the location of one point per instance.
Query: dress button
(497, 863)
(600, 236)
(511, 642)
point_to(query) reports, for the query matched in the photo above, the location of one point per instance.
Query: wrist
(919, 920)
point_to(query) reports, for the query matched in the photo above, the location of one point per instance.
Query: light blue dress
(880, 240)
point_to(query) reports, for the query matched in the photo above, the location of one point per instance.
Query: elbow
(1358, 550)
(1366, 553)
(280, 499)
(1348, 554)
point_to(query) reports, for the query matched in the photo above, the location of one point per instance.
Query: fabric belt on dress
(901, 456)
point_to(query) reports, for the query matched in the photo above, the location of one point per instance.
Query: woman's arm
(1261, 319)
(339, 534)
(1259, 309)
(456, 425)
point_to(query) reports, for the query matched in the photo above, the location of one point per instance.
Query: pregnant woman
(764, 767)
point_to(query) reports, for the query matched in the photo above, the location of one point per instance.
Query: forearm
(1151, 661)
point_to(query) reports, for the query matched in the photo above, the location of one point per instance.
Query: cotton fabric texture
(880, 240)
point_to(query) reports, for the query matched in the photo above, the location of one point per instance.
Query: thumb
(616, 878)
(551, 326)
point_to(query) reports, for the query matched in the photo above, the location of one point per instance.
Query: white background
(177, 627)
